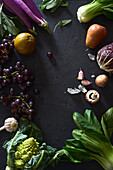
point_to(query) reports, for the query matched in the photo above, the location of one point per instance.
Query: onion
(105, 58)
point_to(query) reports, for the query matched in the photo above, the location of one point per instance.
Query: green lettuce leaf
(92, 119)
(107, 123)
(86, 123)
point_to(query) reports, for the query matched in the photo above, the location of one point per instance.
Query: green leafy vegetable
(107, 123)
(7, 25)
(62, 23)
(1, 27)
(87, 12)
(26, 150)
(52, 5)
(89, 142)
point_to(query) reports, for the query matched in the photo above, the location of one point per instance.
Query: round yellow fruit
(25, 43)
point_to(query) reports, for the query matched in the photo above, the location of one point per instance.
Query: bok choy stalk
(90, 142)
(87, 12)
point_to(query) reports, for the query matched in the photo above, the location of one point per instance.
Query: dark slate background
(54, 108)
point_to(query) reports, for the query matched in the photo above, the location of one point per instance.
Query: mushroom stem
(94, 96)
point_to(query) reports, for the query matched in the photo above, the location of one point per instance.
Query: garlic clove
(73, 91)
(91, 56)
(92, 76)
(80, 75)
(82, 88)
(86, 82)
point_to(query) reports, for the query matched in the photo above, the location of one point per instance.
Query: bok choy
(91, 141)
(87, 12)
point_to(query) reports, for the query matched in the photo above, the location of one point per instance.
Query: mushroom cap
(101, 80)
(92, 96)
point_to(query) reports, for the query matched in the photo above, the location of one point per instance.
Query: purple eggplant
(15, 8)
(34, 9)
(8, 9)
(16, 5)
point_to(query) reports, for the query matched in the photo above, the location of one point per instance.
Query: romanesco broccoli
(27, 149)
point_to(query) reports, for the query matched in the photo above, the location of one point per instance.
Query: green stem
(10, 161)
(6, 76)
(21, 100)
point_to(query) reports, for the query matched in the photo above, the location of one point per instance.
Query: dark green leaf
(41, 160)
(91, 142)
(10, 25)
(63, 23)
(64, 4)
(35, 132)
(92, 119)
(77, 133)
(86, 123)
(30, 129)
(52, 5)
(74, 143)
(1, 24)
(107, 123)
(105, 1)
(23, 125)
(11, 145)
(78, 155)
(88, 129)
(107, 11)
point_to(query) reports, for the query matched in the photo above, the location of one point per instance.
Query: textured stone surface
(54, 108)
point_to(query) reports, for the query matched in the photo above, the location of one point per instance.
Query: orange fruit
(25, 43)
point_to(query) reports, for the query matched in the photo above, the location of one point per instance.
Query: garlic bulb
(10, 125)
(8, 168)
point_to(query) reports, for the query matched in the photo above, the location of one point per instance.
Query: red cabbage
(105, 58)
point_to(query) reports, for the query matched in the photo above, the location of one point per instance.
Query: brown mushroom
(101, 80)
(92, 96)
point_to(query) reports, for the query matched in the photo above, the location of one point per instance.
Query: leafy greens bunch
(28, 140)
(7, 25)
(90, 141)
(52, 5)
